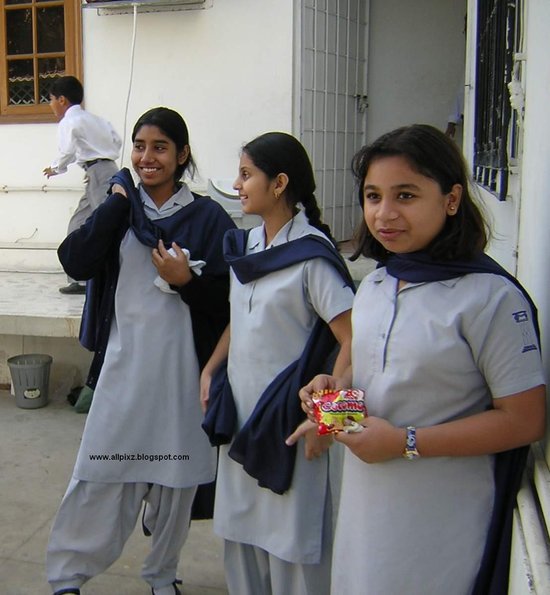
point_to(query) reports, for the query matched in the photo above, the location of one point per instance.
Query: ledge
(31, 305)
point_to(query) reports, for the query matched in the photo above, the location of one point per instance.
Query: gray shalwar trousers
(96, 185)
(95, 520)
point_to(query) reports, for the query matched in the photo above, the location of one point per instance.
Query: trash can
(30, 375)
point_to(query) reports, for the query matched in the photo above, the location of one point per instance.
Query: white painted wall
(522, 222)
(228, 70)
(416, 62)
(534, 239)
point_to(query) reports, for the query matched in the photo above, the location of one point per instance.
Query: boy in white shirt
(92, 143)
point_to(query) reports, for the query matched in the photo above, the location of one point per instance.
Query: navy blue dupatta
(192, 227)
(188, 227)
(492, 578)
(260, 444)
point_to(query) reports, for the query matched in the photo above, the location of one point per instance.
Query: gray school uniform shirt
(271, 320)
(144, 424)
(427, 354)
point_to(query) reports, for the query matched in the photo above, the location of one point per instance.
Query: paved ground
(37, 452)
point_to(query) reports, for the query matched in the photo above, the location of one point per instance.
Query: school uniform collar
(381, 274)
(180, 199)
(295, 228)
(420, 267)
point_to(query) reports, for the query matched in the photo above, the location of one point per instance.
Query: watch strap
(411, 452)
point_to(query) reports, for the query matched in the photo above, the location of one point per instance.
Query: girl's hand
(319, 382)
(118, 189)
(315, 445)
(173, 269)
(206, 379)
(379, 441)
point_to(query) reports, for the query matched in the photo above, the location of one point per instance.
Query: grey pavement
(37, 451)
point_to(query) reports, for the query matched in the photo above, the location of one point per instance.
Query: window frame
(496, 135)
(18, 114)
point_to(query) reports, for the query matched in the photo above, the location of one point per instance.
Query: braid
(313, 215)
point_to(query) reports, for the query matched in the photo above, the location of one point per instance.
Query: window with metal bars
(495, 131)
(42, 42)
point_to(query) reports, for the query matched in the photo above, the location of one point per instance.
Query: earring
(452, 208)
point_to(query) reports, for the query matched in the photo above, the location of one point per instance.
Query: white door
(333, 43)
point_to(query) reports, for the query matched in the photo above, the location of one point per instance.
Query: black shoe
(72, 397)
(73, 289)
(174, 584)
(70, 591)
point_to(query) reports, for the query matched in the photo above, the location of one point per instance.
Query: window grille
(495, 132)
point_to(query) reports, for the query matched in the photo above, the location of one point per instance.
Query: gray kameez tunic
(427, 354)
(271, 319)
(146, 415)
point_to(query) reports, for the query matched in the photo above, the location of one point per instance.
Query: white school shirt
(271, 320)
(145, 414)
(427, 354)
(82, 137)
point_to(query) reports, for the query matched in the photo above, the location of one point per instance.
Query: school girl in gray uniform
(142, 441)
(277, 543)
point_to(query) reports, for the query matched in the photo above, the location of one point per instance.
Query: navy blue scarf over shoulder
(419, 267)
(260, 446)
(187, 227)
(492, 579)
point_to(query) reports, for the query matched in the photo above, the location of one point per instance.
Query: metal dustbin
(30, 375)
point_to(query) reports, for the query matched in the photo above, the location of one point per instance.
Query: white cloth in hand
(194, 265)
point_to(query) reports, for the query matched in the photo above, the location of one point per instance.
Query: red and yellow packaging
(335, 409)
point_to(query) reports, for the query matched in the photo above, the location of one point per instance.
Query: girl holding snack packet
(150, 338)
(290, 300)
(445, 346)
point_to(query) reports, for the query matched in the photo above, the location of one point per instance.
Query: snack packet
(335, 410)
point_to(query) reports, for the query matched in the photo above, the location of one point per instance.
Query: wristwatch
(411, 452)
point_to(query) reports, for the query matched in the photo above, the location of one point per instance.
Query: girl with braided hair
(290, 302)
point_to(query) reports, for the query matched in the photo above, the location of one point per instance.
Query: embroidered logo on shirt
(521, 317)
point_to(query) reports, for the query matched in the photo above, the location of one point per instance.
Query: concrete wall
(228, 70)
(416, 62)
(534, 239)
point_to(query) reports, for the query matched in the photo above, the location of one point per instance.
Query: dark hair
(174, 127)
(70, 87)
(432, 154)
(277, 152)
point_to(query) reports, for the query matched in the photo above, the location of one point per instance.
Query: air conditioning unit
(127, 6)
